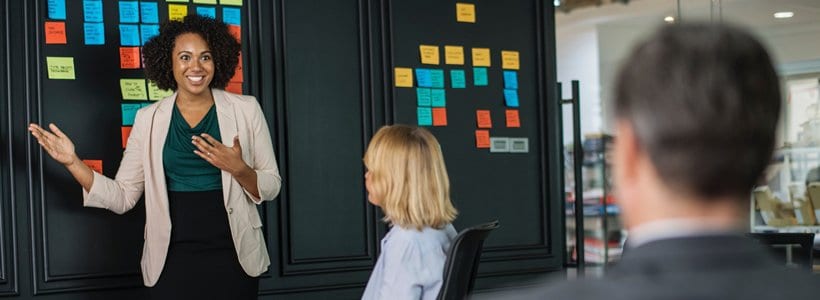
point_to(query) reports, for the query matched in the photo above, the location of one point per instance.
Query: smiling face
(193, 65)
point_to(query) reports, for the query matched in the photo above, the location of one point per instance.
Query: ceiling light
(556, 3)
(783, 14)
(669, 19)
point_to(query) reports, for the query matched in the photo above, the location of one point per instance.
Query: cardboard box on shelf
(804, 211)
(774, 212)
(814, 196)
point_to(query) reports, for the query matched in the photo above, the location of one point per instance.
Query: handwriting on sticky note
(148, 31)
(425, 116)
(465, 12)
(439, 116)
(149, 12)
(480, 76)
(403, 77)
(129, 12)
(481, 57)
(155, 93)
(511, 80)
(133, 89)
(177, 12)
(92, 10)
(60, 67)
(457, 80)
(483, 118)
(437, 78)
(511, 98)
(509, 60)
(126, 132)
(438, 98)
(129, 35)
(209, 12)
(454, 55)
(482, 139)
(56, 9)
(94, 33)
(512, 118)
(231, 16)
(94, 164)
(55, 33)
(423, 97)
(129, 57)
(429, 54)
(129, 112)
(423, 77)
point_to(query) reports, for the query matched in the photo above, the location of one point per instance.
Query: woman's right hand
(57, 144)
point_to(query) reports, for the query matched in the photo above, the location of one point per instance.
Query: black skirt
(202, 261)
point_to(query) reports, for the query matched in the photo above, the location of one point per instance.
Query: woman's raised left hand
(225, 158)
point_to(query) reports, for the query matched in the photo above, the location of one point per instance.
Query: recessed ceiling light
(783, 14)
(669, 19)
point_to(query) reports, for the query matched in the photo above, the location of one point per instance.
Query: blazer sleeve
(268, 180)
(122, 193)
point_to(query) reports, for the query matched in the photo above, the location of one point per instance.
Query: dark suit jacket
(708, 267)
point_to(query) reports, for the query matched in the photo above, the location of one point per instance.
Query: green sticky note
(231, 2)
(186, 1)
(423, 97)
(205, 1)
(60, 67)
(425, 116)
(133, 89)
(480, 76)
(438, 98)
(154, 93)
(457, 80)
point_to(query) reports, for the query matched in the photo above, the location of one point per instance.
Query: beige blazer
(141, 170)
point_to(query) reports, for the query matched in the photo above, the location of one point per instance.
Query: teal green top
(184, 170)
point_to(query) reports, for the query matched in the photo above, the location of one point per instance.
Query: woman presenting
(203, 157)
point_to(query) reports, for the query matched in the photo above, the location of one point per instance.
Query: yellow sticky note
(176, 0)
(454, 55)
(133, 89)
(154, 93)
(177, 12)
(481, 57)
(465, 12)
(205, 1)
(429, 54)
(509, 60)
(60, 67)
(231, 2)
(404, 77)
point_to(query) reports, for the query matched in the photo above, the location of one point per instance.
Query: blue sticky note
(231, 16)
(148, 31)
(56, 9)
(511, 98)
(480, 76)
(423, 97)
(425, 116)
(457, 80)
(423, 78)
(209, 12)
(437, 78)
(92, 10)
(129, 12)
(94, 33)
(129, 35)
(149, 12)
(129, 112)
(438, 98)
(510, 80)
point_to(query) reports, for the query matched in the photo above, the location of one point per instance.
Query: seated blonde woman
(407, 178)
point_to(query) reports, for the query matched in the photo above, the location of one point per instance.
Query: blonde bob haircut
(408, 176)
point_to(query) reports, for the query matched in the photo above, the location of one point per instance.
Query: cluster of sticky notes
(433, 78)
(93, 28)
(511, 88)
(465, 12)
(60, 67)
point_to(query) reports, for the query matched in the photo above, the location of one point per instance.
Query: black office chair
(462, 261)
(781, 245)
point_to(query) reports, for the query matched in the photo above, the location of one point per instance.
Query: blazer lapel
(227, 128)
(159, 130)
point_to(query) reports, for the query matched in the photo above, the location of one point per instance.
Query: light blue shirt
(411, 264)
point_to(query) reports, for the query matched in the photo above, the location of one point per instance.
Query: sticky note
(209, 12)
(129, 12)
(129, 57)
(511, 98)
(231, 2)
(511, 80)
(481, 57)
(512, 118)
(509, 60)
(94, 164)
(133, 89)
(129, 112)
(60, 67)
(149, 12)
(465, 12)
(154, 93)
(92, 10)
(437, 78)
(499, 144)
(234, 87)
(148, 31)
(482, 139)
(55, 32)
(236, 32)
(56, 9)
(438, 98)
(483, 118)
(94, 33)
(423, 77)
(177, 12)
(454, 55)
(425, 116)
(205, 1)
(231, 16)
(423, 97)
(185, 1)
(129, 35)
(439, 116)
(457, 80)
(403, 77)
(480, 76)
(429, 54)
(126, 132)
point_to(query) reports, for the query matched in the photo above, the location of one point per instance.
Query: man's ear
(625, 152)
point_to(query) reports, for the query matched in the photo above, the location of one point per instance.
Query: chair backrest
(782, 245)
(462, 261)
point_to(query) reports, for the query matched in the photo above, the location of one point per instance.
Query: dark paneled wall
(322, 71)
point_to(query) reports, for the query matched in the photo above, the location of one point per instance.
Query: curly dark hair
(224, 50)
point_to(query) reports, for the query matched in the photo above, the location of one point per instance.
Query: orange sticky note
(237, 75)
(483, 118)
(439, 116)
(482, 139)
(130, 57)
(236, 32)
(512, 118)
(234, 87)
(94, 164)
(126, 132)
(55, 33)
